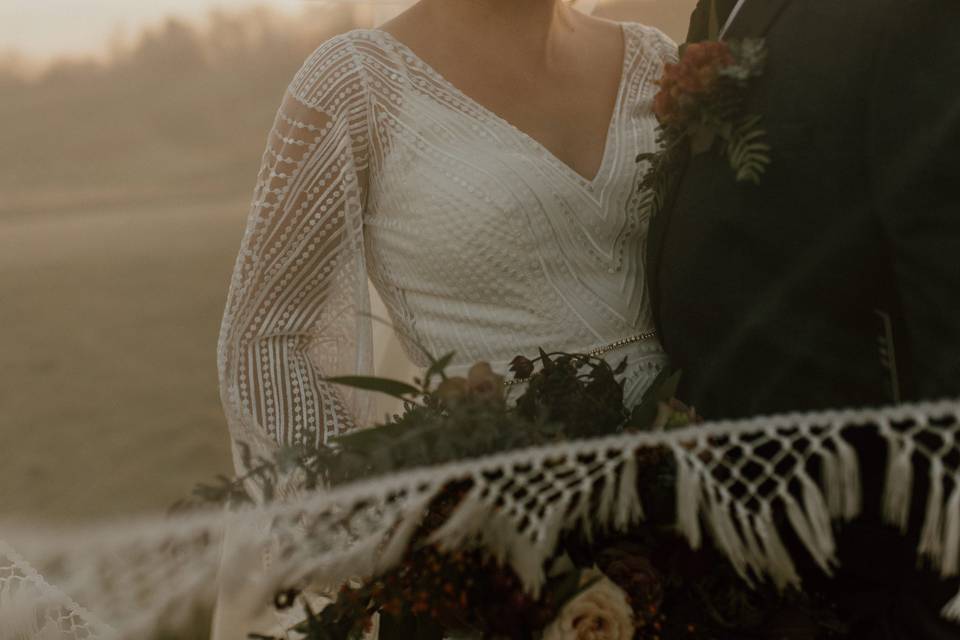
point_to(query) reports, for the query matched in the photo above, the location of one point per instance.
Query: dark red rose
(522, 367)
(629, 567)
(683, 85)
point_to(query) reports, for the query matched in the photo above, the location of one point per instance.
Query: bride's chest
(454, 187)
(435, 156)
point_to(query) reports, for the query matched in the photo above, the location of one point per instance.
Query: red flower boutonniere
(701, 99)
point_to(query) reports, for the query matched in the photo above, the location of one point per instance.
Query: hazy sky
(45, 28)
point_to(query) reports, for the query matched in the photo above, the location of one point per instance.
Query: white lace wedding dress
(477, 238)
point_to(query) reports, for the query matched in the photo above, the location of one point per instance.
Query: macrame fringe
(629, 506)
(899, 481)
(775, 560)
(688, 497)
(369, 555)
(940, 533)
(931, 536)
(751, 541)
(479, 520)
(951, 551)
(841, 480)
(35, 610)
(812, 523)
(518, 507)
(952, 610)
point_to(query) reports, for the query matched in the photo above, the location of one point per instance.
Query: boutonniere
(703, 99)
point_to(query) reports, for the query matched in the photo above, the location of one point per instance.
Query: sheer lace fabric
(477, 238)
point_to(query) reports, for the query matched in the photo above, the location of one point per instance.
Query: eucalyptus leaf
(394, 388)
(438, 367)
(665, 389)
(569, 589)
(565, 587)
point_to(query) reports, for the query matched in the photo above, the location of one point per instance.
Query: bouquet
(641, 584)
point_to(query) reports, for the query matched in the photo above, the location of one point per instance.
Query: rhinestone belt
(607, 348)
(613, 346)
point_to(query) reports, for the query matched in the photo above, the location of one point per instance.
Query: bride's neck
(535, 23)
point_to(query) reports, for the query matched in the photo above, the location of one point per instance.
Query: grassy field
(108, 385)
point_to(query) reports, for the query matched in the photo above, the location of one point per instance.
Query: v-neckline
(587, 183)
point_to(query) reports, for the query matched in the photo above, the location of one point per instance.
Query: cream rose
(481, 383)
(601, 612)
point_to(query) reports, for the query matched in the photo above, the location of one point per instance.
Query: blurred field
(123, 192)
(109, 380)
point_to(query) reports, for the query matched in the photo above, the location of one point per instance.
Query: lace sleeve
(298, 305)
(660, 44)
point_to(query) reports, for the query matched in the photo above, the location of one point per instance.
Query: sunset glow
(45, 29)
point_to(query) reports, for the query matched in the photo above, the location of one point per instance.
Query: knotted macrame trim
(732, 479)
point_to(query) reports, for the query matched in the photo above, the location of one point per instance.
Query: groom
(835, 281)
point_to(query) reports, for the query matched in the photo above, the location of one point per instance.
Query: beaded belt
(607, 348)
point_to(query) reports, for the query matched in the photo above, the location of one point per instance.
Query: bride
(475, 161)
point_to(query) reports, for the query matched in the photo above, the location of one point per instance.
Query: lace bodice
(478, 239)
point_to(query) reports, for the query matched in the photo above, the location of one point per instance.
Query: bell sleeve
(298, 305)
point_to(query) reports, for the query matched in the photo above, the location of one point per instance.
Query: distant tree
(71, 72)
(174, 47)
(13, 70)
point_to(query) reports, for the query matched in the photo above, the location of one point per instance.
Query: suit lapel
(755, 19)
(658, 225)
(699, 23)
(657, 232)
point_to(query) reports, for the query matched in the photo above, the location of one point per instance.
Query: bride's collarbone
(567, 110)
(565, 101)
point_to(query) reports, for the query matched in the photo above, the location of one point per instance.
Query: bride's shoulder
(336, 66)
(337, 53)
(352, 52)
(652, 41)
(352, 47)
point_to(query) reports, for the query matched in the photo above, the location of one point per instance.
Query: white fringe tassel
(951, 611)
(899, 481)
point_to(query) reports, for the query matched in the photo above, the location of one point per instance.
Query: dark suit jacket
(767, 295)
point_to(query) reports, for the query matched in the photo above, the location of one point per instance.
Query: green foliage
(394, 388)
(751, 58)
(429, 435)
(663, 389)
(720, 114)
(662, 172)
(572, 396)
(579, 392)
(748, 151)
